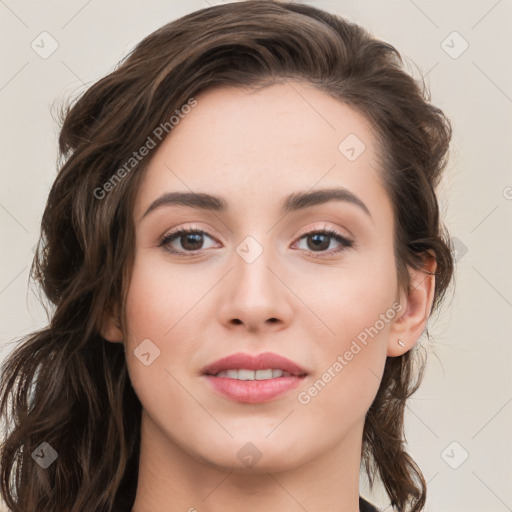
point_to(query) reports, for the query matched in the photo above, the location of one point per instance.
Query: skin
(254, 149)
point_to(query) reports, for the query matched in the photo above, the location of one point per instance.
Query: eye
(320, 240)
(191, 240)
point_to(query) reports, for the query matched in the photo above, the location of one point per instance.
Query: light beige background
(466, 396)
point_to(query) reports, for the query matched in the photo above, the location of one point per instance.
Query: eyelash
(169, 237)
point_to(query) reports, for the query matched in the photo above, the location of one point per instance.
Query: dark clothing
(366, 506)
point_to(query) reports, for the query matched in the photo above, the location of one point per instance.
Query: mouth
(263, 366)
(254, 379)
(245, 374)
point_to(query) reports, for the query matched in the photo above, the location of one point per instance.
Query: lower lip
(253, 391)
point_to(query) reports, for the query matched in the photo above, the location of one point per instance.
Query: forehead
(277, 139)
(280, 117)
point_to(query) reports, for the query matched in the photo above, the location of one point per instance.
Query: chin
(253, 454)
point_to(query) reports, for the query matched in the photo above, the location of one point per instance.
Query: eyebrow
(294, 202)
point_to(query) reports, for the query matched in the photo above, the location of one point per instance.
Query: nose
(255, 295)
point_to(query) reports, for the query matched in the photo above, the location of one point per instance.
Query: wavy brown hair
(64, 384)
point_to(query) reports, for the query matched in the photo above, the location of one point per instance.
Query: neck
(172, 480)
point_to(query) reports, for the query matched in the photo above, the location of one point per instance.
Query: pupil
(196, 236)
(316, 245)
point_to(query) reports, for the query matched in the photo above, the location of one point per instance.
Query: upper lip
(262, 361)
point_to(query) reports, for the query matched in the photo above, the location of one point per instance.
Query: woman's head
(251, 109)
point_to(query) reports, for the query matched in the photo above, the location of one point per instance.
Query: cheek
(152, 308)
(359, 309)
(350, 371)
(163, 304)
(350, 299)
(160, 296)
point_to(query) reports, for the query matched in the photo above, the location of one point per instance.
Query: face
(257, 275)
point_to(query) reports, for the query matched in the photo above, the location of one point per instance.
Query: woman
(236, 303)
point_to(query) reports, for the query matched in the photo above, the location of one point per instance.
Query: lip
(257, 362)
(254, 391)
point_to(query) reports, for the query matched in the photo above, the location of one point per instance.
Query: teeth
(263, 374)
(244, 374)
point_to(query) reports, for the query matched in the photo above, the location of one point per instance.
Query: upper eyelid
(302, 233)
(326, 228)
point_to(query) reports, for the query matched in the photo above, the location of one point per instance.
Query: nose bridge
(254, 255)
(255, 294)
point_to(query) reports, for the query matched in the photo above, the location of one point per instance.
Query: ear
(416, 306)
(111, 326)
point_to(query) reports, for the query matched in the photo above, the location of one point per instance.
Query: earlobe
(407, 329)
(111, 327)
